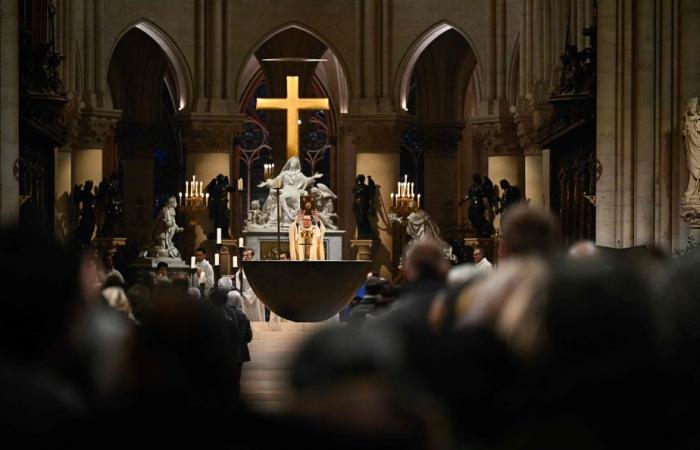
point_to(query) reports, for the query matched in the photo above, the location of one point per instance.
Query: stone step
(271, 356)
(265, 386)
(274, 345)
(266, 396)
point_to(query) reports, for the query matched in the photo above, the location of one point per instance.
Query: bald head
(583, 250)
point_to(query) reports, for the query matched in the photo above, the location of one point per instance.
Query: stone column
(208, 146)
(498, 143)
(534, 182)
(441, 173)
(86, 158)
(136, 141)
(63, 184)
(377, 140)
(9, 113)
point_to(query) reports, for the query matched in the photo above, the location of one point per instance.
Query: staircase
(264, 381)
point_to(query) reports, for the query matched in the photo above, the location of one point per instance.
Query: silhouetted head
(425, 261)
(527, 231)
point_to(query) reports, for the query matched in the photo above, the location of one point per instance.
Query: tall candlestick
(240, 242)
(192, 262)
(216, 259)
(235, 261)
(218, 236)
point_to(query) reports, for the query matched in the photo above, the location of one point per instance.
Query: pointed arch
(402, 80)
(251, 65)
(183, 76)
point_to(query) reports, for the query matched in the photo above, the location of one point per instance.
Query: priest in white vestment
(252, 307)
(306, 238)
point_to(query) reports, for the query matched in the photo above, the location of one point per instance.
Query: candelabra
(269, 170)
(196, 200)
(404, 201)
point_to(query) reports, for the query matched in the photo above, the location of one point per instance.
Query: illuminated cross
(292, 104)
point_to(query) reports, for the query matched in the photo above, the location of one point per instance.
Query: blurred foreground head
(527, 231)
(34, 319)
(425, 261)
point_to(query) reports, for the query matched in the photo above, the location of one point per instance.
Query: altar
(265, 243)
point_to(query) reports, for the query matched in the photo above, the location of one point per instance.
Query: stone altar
(265, 243)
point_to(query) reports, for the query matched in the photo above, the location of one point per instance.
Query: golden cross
(292, 104)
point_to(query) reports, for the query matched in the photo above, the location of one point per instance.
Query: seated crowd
(584, 348)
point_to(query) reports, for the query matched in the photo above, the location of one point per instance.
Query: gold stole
(307, 236)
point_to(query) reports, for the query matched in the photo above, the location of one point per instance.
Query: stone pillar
(377, 140)
(533, 190)
(497, 141)
(208, 146)
(9, 113)
(86, 164)
(136, 141)
(93, 127)
(441, 172)
(63, 184)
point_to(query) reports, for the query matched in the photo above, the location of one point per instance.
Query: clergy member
(306, 237)
(480, 261)
(252, 307)
(205, 272)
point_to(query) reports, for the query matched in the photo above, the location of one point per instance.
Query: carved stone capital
(443, 138)
(93, 126)
(208, 133)
(376, 133)
(498, 137)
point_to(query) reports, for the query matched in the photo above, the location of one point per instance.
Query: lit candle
(240, 184)
(201, 188)
(418, 204)
(218, 235)
(392, 199)
(398, 188)
(179, 195)
(187, 188)
(240, 242)
(235, 261)
(192, 262)
(206, 198)
(411, 189)
(216, 259)
(405, 178)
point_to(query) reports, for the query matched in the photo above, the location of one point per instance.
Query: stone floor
(264, 383)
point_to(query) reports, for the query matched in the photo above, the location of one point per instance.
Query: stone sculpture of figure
(255, 215)
(478, 203)
(294, 185)
(164, 230)
(218, 189)
(420, 226)
(323, 198)
(690, 129)
(84, 200)
(363, 207)
(511, 195)
(110, 199)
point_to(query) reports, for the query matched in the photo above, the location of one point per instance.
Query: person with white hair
(195, 293)
(583, 250)
(233, 311)
(225, 284)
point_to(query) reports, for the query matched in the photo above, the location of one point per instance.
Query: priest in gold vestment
(306, 237)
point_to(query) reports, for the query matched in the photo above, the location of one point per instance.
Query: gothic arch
(251, 66)
(403, 76)
(183, 76)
